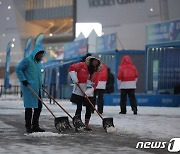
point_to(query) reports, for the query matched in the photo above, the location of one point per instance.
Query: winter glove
(89, 84)
(90, 92)
(73, 76)
(25, 83)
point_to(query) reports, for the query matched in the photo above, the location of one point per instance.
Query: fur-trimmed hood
(94, 57)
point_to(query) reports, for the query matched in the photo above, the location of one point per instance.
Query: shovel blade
(62, 123)
(108, 122)
(77, 122)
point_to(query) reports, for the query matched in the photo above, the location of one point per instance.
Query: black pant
(28, 116)
(99, 93)
(132, 98)
(81, 101)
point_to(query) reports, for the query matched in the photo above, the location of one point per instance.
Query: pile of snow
(45, 134)
(111, 130)
(150, 122)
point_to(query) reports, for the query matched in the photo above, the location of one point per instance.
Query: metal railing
(13, 90)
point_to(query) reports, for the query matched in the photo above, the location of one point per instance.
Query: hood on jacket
(126, 60)
(37, 49)
(94, 57)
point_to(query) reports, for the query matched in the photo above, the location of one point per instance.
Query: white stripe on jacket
(126, 84)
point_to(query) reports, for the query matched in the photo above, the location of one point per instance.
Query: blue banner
(76, 48)
(145, 100)
(28, 47)
(163, 32)
(106, 42)
(7, 67)
(39, 39)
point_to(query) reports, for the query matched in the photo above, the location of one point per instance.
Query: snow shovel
(61, 123)
(77, 124)
(107, 122)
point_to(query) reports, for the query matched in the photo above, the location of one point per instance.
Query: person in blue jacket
(29, 73)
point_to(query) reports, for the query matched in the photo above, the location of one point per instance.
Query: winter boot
(77, 122)
(36, 128)
(87, 125)
(29, 130)
(135, 110)
(28, 117)
(123, 110)
(35, 122)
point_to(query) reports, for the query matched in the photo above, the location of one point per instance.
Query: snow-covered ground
(151, 123)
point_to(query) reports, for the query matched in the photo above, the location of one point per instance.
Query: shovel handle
(40, 100)
(56, 102)
(89, 100)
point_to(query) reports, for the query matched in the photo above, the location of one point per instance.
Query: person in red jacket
(127, 79)
(82, 73)
(101, 79)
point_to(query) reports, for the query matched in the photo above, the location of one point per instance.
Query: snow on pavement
(151, 123)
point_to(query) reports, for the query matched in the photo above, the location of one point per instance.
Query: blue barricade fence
(145, 100)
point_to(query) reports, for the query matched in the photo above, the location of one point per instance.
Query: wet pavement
(13, 139)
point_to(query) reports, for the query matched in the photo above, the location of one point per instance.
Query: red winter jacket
(101, 77)
(82, 73)
(127, 74)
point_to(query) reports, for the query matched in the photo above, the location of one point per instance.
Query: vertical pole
(116, 70)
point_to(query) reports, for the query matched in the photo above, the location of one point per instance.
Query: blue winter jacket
(29, 69)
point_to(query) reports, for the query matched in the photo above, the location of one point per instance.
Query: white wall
(128, 20)
(174, 9)
(131, 36)
(118, 14)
